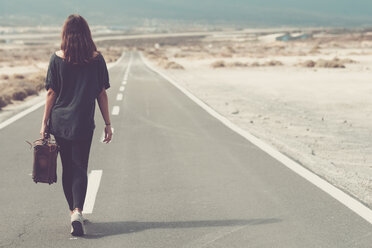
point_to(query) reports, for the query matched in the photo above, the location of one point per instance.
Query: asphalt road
(173, 176)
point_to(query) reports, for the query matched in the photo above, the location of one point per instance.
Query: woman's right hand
(108, 134)
(43, 130)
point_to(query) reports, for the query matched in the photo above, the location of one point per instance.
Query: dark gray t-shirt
(77, 87)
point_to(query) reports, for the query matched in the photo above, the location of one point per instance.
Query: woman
(77, 76)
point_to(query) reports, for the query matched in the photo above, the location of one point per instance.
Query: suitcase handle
(32, 144)
(46, 138)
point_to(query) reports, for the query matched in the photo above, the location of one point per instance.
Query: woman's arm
(102, 100)
(50, 100)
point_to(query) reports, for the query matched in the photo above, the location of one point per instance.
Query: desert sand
(311, 99)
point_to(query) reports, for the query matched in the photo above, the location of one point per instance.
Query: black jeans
(74, 155)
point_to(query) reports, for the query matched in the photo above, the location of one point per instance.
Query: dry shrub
(16, 89)
(237, 64)
(37, 80)
(173, 65)
(308, 63)
(344, 61)
(9, 92)
(109, 59)
(192, 49)
(16, 92)
(4, 77)
(180, 55)
(221, 64)
(255, 64)
(218, 64)
(149, 52)
(165, 63)
(335, 44)
(158, 57)
(151, 57)
(329, 64)
(18, 76)
(30, 89)
(348, 61)
(230, 49)
(7, 99)
(273, 63)
(155, 53)
(19, 95)
(315, 49)
(164, 57)
(323, 63)
(3, 102)
(40, 86)
(111, 54)
(225, 55)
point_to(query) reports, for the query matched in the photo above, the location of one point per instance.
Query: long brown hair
(77, 43)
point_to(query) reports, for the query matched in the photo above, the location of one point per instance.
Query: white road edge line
(350, 202)
(94, 180)
(21, 114)
(115, 110)
(42, 103)
(121, 88)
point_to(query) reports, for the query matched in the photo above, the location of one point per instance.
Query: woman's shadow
(104, 229)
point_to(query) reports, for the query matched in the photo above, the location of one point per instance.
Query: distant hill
(248, 13)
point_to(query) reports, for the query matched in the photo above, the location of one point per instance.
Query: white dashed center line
(126, 74)
(115, 110)
(94, 180)
(119, 97)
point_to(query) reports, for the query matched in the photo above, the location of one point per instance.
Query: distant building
(288, 37)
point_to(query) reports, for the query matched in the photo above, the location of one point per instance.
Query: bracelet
(107, 124)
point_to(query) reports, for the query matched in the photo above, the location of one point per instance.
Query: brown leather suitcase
(45, 160)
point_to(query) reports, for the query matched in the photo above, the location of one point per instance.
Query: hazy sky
(265, 12)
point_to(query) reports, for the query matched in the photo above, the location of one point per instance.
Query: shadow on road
(103, 229)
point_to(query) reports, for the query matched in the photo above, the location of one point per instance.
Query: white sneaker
(77, 224)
